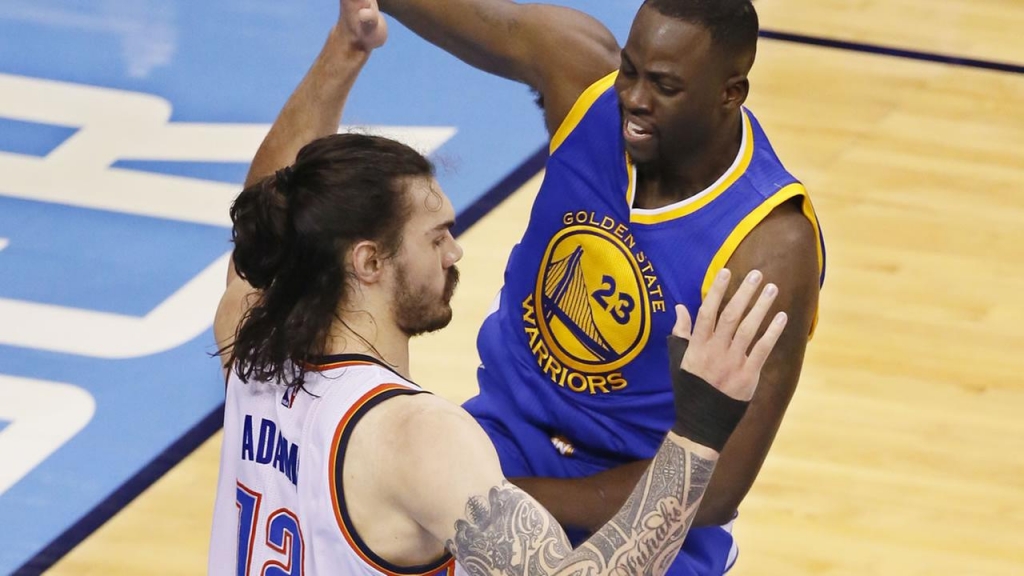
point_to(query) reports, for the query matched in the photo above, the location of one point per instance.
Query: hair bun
(261, 231)
(283, 181)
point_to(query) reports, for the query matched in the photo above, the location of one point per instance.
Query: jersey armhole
(755, 217)
(342, 434)
(579, 110)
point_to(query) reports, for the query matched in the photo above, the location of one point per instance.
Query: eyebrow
(664, 76)
(446, 225)
(656, 75)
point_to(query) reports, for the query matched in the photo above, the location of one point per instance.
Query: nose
(455, 254)
(636, 98)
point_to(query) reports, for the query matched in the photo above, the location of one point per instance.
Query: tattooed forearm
(655, 519)
(509, 533)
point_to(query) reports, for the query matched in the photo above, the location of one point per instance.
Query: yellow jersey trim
(691, 205)
(742, 229)
(630, 181)
(579, 109)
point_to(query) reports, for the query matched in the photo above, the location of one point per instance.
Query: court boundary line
(881, 50)
(53, 552)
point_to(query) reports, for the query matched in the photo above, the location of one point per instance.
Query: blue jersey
(574, 376)
(577, 346)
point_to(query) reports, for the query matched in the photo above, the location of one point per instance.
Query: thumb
(683, 326)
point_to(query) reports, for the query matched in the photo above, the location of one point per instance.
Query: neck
(358, 333)
(669, 182)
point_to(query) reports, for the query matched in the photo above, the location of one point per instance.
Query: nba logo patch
(289, 396)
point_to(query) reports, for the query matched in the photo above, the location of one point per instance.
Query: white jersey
(278, 510)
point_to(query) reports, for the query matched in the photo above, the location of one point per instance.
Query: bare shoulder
(414, 427)
(434, 452)
(784, 241)
(784, 247)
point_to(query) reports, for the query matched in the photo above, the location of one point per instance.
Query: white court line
(43, 416)
(112, 125)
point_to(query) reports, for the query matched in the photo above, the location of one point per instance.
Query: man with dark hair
(658, 178)
(333, 460)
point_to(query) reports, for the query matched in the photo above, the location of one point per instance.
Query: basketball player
(332, 459)
(658, 178)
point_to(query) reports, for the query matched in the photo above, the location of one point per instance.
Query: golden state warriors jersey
(576, 348)
(279, 511)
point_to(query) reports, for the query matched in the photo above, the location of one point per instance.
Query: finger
(764, 346)
(752, 322)
(733, 312)
(708, 312)
(682, 326)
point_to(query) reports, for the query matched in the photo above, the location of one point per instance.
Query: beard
(417, 311)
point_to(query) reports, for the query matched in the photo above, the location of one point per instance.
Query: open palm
(720, 348)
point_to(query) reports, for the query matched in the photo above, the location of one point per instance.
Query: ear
(736, 89)
(367, 263)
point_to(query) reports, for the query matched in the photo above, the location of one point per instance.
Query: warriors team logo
(594, 310)
(591, 310)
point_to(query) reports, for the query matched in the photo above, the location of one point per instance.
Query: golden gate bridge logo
(566, 296)
(594, 309)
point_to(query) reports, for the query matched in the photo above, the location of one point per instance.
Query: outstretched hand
(718, 345)
(363, 22)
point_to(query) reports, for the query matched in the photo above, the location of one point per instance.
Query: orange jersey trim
(447, 566)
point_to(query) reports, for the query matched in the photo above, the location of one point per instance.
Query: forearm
(647, 532)
(314, 109)
(486, 34)
(586, 502)
(643, 537)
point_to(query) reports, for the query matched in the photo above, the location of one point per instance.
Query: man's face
(669, 89)
(425, 275)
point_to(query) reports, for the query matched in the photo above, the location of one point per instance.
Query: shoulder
(783, 245)
(412, 427)
(427, 455)
(412, 432)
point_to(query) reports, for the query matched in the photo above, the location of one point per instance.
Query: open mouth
(635, 133)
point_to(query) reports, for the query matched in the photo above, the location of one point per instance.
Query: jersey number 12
(283, 536)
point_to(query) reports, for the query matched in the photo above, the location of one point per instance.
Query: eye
(626, 67)
(667, 90)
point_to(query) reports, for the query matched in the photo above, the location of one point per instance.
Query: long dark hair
(291, 231)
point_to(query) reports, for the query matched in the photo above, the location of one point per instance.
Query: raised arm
(313, 110)
(445, 474)
(557, 51)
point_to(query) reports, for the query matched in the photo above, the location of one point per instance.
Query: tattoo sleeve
(508, 533)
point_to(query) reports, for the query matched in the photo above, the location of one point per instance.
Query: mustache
(451, 282)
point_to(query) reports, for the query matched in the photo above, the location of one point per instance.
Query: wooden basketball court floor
(903, 450)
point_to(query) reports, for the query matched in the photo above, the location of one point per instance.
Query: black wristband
(704, 414)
